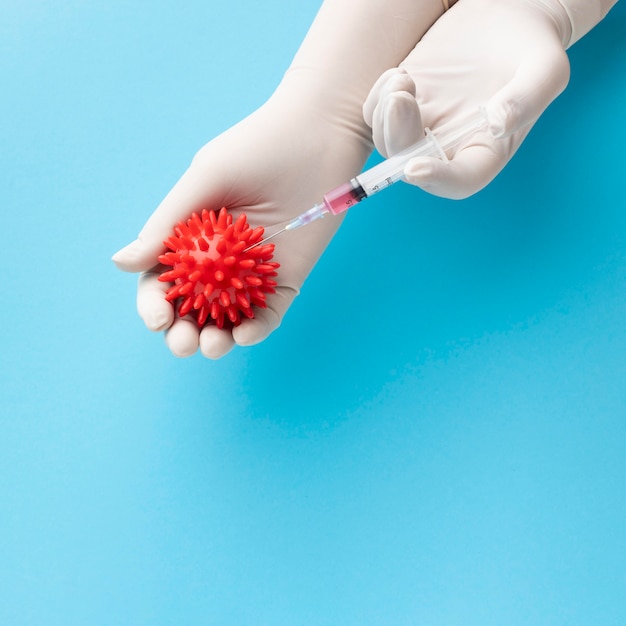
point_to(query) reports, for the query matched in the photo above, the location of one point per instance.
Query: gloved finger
(471, 169)
(155, 311)
(199, 186)
(395, 76)
(182, 338)
(392, 112)
(397, 123)
(265, 321)
(535, 84)
(215, 342)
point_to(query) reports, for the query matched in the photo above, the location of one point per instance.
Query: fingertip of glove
(132, 258)
(215, 343)
(252, 332)
(157, 321)
(421, 171)
(437, 178)
(182, 338)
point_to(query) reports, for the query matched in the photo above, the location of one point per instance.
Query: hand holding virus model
(254, 170)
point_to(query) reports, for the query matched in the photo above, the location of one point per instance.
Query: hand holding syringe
(387, 172)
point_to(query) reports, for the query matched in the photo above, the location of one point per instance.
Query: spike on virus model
(217, 276)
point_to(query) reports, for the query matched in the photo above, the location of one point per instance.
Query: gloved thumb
(137, 256)
(535, 84)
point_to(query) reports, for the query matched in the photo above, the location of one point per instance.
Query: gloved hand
(506, 55)
(308, 138)
(271, 166)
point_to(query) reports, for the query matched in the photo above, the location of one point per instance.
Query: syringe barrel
(378, 177)
(391, 170)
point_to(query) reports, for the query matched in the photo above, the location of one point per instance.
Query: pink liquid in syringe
(345, 196)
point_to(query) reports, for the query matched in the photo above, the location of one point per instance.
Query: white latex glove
(308, 138)
(506, 55)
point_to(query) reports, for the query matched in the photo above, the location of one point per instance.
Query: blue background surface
(466, 468)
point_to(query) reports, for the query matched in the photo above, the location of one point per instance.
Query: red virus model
(217, 277)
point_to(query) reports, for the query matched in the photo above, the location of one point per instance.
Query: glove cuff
(584, 15)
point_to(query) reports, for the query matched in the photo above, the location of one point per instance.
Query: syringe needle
(319, 210)
(265, 239)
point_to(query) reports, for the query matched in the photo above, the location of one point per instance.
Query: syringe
(389, 171)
